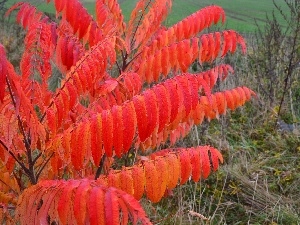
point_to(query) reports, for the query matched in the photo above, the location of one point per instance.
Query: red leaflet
(76, 154)
(156, 67)
(174, 170)
(96, 206)
(217, 44)
(3, 72)
(72, 94)
(165, 61)
(118, 129)
(138, 174)
(80, 204)
(186, 168)
(215, 157)
(152, 181)
(141, 116)
(172, 89)
(59, 110)
(163, 103)
(221, 102)
(129, 121)
(184, 87)
(229, 100)
(107, 134)
(126, 181)
(196, 164)
(64, 205)
(204, 160)
(111, 208)
(152, 111)
(163, 176)
(51, 120)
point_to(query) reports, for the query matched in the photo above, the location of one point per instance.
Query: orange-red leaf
(111, 208)
(152, 111)
(138, 175)
(196, 164)
(96, 138)
(172, 89)
(80, 204)
(129, 121)
(215, 156)
(163, 104)
(152, 181)
(186, 168)
(96, 206)
(141, 116)
(126, 181)
(174, 170)
(65, 209)
(205, 162)
(118, 129)
(163, 176)
(107, 134)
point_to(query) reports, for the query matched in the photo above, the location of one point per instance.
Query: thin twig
(18, 116)
(37, 157)
(100, 167)
(42, 168)
(138, 24)
(26, 170)
(8, 186)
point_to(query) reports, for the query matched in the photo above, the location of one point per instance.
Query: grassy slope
(240, 13)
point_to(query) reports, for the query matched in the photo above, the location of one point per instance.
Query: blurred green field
(241, 14)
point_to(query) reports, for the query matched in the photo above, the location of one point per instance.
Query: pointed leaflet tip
(215, 157)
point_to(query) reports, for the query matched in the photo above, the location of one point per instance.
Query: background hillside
(241, 14)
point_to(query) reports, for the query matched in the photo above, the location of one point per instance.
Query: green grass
(241, 14)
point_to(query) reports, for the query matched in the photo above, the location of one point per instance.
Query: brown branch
(289, 70)
(140, 20)
(100, 167)
(12, 154)
(130, 61)
(37, 157)
(42, 168)
(18, 116)
(30, 170)
(8, 186)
